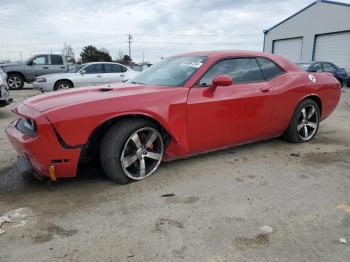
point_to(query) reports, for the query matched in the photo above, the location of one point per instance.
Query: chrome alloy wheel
(63, 86)
(142, 153)
(14, 82)
(308, 121)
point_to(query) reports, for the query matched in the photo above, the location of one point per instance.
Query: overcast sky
(160, 27)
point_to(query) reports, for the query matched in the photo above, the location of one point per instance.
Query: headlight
(40, 79)
(29, 123)
(2, 82)
(26, 126)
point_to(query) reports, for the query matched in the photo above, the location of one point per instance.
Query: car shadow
(91, 177)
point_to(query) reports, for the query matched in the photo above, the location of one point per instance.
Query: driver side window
(242, 70)
(40, 60)
(316, 68)
(93, 69)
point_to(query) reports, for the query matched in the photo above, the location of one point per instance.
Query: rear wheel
(15, 81)
(305, 122)
(131, 150)
(62, 85)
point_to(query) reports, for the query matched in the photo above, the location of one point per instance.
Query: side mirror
(30, 63)
(82, 72)
(220, 80)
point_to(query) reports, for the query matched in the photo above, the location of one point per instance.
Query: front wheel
(131, 150)
(305, 122)
(15, 81)
(62, 85)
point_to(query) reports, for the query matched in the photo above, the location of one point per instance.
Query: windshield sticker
(191, 63)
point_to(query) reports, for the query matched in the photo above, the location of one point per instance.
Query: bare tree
(68, 52)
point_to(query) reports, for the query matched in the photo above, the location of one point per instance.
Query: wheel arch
(68, 80)
(17, 73)
(315, 98)
(91, 149)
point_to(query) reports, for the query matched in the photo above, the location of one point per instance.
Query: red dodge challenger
(185, 105)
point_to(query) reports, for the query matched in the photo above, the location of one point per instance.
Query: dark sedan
(339, 73)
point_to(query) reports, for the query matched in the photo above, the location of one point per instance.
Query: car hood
(65, 98)
(9, 67)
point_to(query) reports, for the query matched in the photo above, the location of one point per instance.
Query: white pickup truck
(35, 66)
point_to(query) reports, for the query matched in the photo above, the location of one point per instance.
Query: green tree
(127, 60)
(92, 54)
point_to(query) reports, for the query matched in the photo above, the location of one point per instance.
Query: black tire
(61, 83)
(341, 82)
(113, 144)
(292, 133)
(15, 81)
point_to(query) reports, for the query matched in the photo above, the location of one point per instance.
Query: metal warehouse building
(320, 32)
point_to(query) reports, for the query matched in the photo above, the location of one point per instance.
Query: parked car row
(50, 72)
(318, 67)
(89, 74)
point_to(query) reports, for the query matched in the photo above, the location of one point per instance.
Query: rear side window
(113, 68)
(328, 67)
(242, 70)
(269, 68)
(56, 60)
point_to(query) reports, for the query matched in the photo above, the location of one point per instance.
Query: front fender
(77, 122)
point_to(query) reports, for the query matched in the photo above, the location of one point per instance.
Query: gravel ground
(267, 201)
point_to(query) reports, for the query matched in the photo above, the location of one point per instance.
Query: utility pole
(130, 41)
(20, 54)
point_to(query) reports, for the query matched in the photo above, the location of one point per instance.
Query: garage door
(289, 48)
(334, 48)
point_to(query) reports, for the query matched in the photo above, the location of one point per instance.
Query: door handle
(264, 89)
(122, 75)
(45, 67)
(63, 67)
(99, 76)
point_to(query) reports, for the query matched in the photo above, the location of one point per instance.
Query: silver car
(5, 98)
(90, 74)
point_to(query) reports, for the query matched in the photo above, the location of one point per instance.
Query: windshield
(76, 68)
(304, 66)
(173, 71)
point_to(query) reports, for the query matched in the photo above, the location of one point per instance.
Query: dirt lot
(268, 201)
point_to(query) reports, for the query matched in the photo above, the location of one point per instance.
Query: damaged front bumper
(41, 152)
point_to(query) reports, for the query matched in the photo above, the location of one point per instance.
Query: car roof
(223, 53)
(313, 62)
(92, 63)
